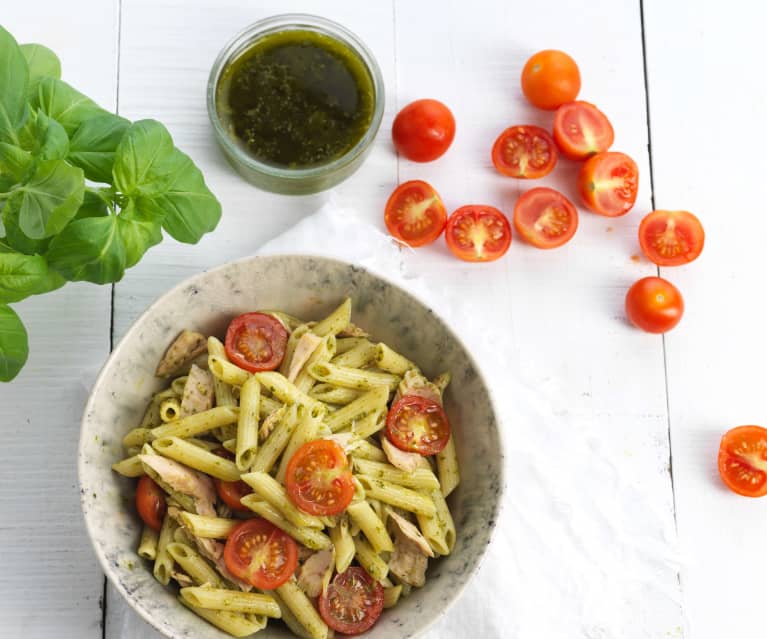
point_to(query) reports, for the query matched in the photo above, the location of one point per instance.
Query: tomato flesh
(525, 151)
(423, 130)
(318, 479)
(743, 460)
(654, 305)
(608, 183)
(352, 602)
(550, 78)
(417, 425)
(256, 342)
(150, 502)
(671, 238)
(261, 554)
(545, 218)
(581, 130)
(415, 214)
(477, 233)
(231, 492)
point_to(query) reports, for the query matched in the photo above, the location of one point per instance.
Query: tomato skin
(655, 305)
(259, 537)
(350, 592)
(256, 342)
(417, 425)
(671, 238)
(550, 78)
(545, 218)
(423, 130)
(608, 183)
(415, 213)
(742, 460)
(318, 479)
(581, 130)
(150, 502)
(478, 233)
(525, 151)
(231, 492)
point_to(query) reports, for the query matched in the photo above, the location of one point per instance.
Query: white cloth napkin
(572, 556)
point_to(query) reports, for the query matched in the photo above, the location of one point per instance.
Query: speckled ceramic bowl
(307, 287)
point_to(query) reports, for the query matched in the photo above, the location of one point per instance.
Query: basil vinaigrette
(296, 99)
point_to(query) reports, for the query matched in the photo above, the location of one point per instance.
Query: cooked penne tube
(289, 619)
(286, 392)
(391, 595)
(151, 415)
(441, 381)
(302, 608)
(391, 361)
(323, 353)
(329, 394)
(355, 378)
(247, 424)
(369, 425)
(368, 558)
(129, 467)
(267, 406)
(235, 623)
(163, 562)
(147, 547)
(170, 409)
(360, 355)
(420, 478)
(305, 431)
(194, 565)
(363, 449)
(177, 385)
(344, 344)
(271, 491)
(275, 444)
(207, 527)
(227, 372)
(396, 495)
(309, 537)
(198, 423)
(447, 467)
(139, 436)
(365, 518)
(343, 543)
(290, 348)
(216, 348)
(370, 402)
(337, 321)
(231, 600)
(230, 445)
(438, 529)
(203, 443)
(197, 458)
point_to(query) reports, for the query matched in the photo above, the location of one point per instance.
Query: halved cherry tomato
(318, 478)
(256, 342)
(231, 492)
(671, 238)
(525, 151)
(417, 425)
(478, 233)
(655, 305)
(608, 183)
(581, 130)
(423, 130)
(261, 554)
(415, 214)
(550, 78)
(743, 460)
(352, 602)
(150, 502)
(545, 218)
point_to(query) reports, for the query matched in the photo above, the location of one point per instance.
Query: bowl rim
(110, 570)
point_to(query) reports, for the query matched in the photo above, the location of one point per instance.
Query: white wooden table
(681, 82)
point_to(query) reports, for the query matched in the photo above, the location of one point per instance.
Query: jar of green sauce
(295, 102)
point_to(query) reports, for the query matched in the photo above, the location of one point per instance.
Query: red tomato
(423, 130)
(581, 130)
(318, 479)
(608, 183)
(256, 342)
(545, 218)
(261, 554)
(230, 492)
(352, 602)
(671, 238)
(415, 214)
(150, 502)
(551, 78)
(743, 460)
(417, 425)
(478, 233)
(525, 151)
(654, 305)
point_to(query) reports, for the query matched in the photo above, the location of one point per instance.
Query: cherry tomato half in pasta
(655, 305)
(671, 238)
(550, 78)
(417, 425)
(260, 554)
(231, 492)
(423, 130)
(150, 502)
(318, 479)
(743, 460)
(525, 151)
(352, 602)
(581, 130)
(478, 233)
(545, 218)
(256, 342)
(608, 183)
(415, 214)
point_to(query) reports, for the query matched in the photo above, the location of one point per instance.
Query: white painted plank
(50, 583)
(707, 111)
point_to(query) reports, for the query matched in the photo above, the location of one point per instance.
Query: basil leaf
(49, 199)
(44, 137)
(139, 233)
(20, 242)
(2, 229)
(92, 206)
(42, 63)
(94, 144)
(15, 162)
(21, 276)
(140, 166)
(14, 81)
(65, 104)
(14, 347)
(89, 249)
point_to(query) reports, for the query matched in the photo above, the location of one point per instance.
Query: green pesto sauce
(296, 99)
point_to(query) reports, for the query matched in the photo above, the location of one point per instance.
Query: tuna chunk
(314, 574)
(184, 480)
(198, 392)
(402, 459)
(307, 344)
(410, 530)
(183, 350)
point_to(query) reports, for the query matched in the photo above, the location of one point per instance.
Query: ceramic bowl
(307, 287)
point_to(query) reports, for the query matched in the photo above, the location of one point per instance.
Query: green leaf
(21, 243)
(44, 137)
(14, 81)
(141, 163)
(92, 206)
(89, 249)
(21, 276)
(94, 144)
(139, 233)
(65, 104)
(14, 348)
(15, 162)
(50, 199)
(42, 63)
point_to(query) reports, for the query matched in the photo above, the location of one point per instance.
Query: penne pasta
(197, 458)
(236, 624)
(420, 478)
(198, 423)
(368, 558)
(232, 601)
(355, 378)
(302, 609)
(370, 402)
(391, 595)
(343, 543)
(447, 468)
(337, 321)
(194, 565)
(438, 529)
(170, 409)
(305, 431)
(129, 467)
(227, 372)
(270, 451)
(271, 491)
(147, 547)
(329, 394)
(247, 425)
(392, 362)
(360, 355)
(396, 495)
(364, 517)
(207, 527)
(163, 562)
(286, 392)
(309, 537)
